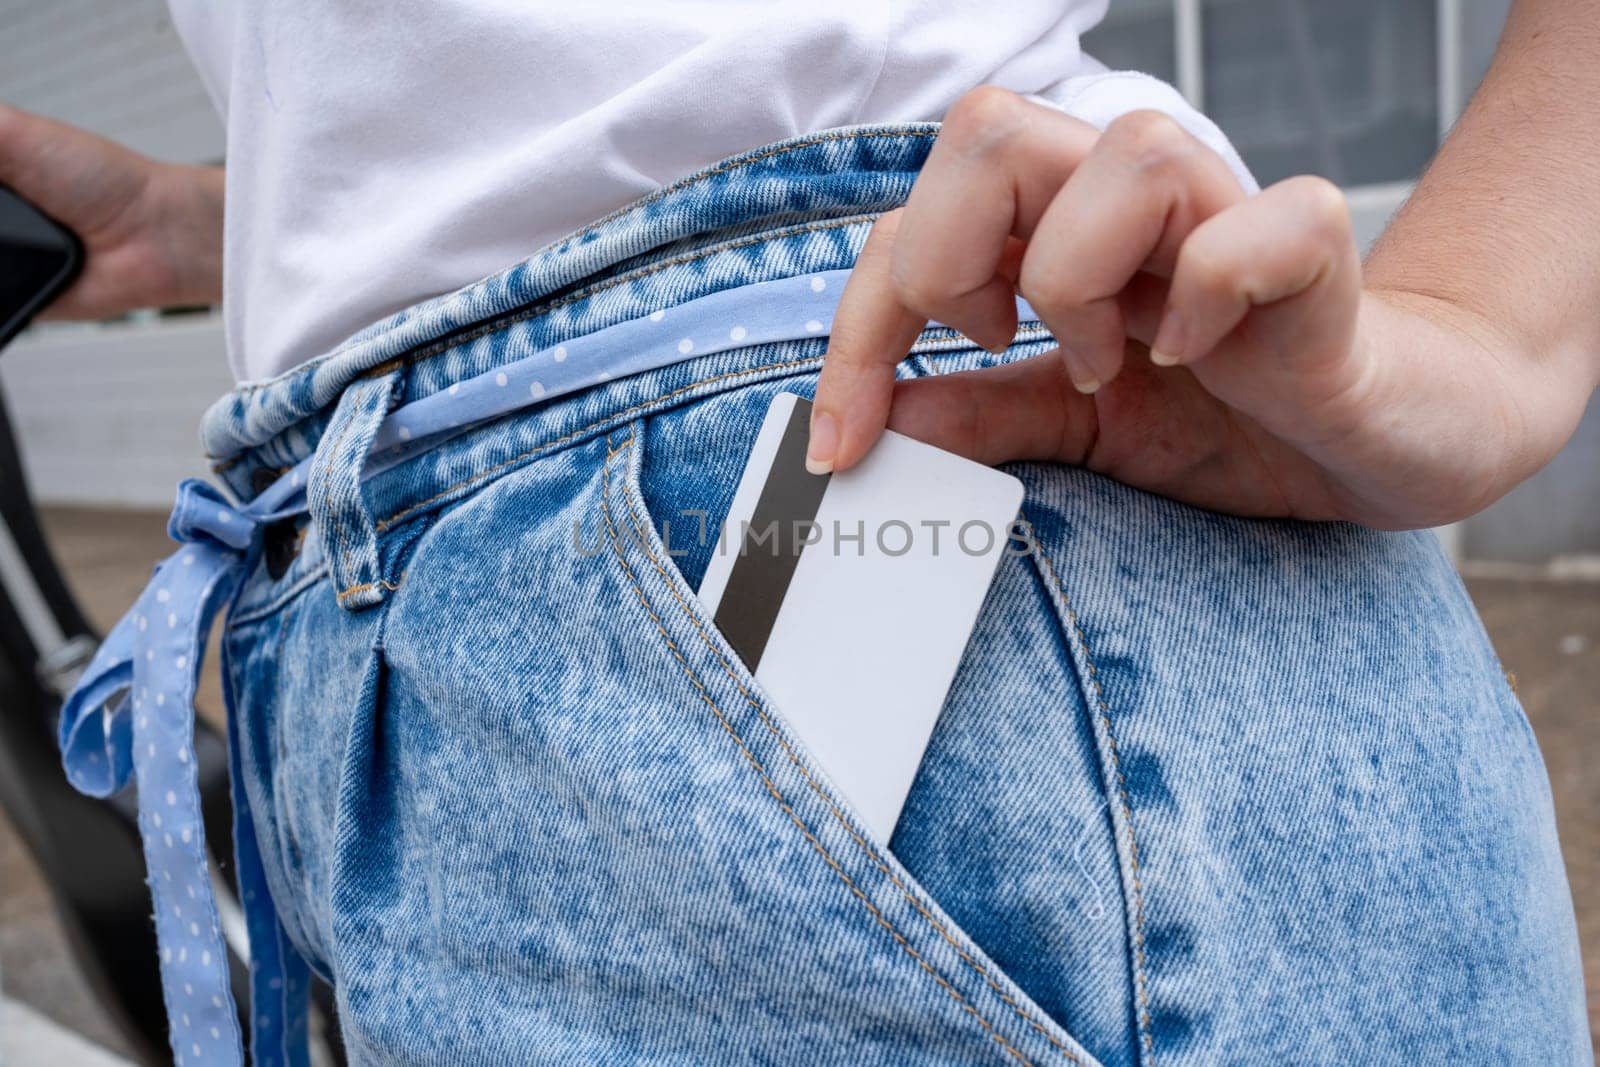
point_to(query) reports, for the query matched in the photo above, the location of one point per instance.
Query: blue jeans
(1206, 790)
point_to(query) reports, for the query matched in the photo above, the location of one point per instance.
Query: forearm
(1500, 244)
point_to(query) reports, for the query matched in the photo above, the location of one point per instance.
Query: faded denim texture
(1206, 790)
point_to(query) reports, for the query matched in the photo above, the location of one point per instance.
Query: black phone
(39, 258)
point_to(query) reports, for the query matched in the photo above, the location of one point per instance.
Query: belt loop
(344, 525)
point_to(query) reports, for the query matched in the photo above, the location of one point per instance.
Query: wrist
(184, 229)
(1471, 407)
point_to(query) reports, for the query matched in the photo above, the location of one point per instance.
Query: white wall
(110, 414)
(112, 66)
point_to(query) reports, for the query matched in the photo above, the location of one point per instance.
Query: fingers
(1286, 259)
(872, 332)
(951, 254)
(1016, 197)
(1126, 208)
(1287, 242)
(997, 164)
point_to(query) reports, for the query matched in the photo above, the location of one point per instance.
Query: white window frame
(1371, 205)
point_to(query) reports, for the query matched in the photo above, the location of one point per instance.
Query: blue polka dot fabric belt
(131, 715)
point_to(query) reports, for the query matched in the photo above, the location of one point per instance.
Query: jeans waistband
(790, 208)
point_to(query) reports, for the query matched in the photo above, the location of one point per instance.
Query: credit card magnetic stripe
(770, 546)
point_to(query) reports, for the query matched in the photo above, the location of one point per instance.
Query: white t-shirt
(378, 156)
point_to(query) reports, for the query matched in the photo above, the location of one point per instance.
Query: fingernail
(1083, 380)
(1167, 349)
(997, 346)
(1001, 339)
(823, 444)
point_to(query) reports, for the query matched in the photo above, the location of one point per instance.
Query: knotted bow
(132, 714)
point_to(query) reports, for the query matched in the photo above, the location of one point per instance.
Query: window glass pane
(1136, 35)
(1347, 90)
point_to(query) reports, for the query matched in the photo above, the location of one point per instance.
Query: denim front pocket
(544, 816)
(674, 474)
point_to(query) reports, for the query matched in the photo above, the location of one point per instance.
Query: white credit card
(851, 596)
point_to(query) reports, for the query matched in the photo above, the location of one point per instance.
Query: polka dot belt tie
(131, 715)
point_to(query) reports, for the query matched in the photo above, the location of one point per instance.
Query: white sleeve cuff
(1101, 98)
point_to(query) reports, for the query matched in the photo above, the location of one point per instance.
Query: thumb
(872, 332)
(1018, 411)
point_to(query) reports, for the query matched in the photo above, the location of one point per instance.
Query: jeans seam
(361, 587)
(771, 786)
(827, 800)
(1141, 979)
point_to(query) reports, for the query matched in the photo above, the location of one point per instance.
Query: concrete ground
(1547, 633)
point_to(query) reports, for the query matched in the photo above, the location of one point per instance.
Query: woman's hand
(1214, 347)
(152, 232)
